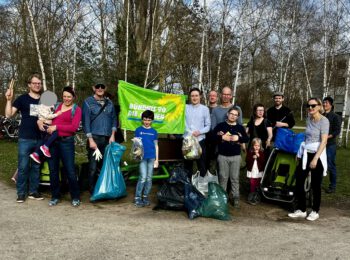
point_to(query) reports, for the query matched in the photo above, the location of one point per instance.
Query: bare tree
(340, 140)
(37, 46)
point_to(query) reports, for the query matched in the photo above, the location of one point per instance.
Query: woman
(313, 159)
(259, 127)
(230, 136)
(66, 124)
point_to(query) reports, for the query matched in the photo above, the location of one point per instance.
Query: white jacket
(312, 147)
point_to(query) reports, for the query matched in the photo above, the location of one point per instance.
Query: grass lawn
(8, 165)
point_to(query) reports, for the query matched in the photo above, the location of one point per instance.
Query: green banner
(169, 109)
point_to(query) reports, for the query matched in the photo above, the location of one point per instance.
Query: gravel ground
(118, 230)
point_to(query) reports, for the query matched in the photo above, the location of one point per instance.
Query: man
(213, 100)
(334, 131)
(99, 124)
(29, 138)
(197, 124)
(280, 115)
(219, 114)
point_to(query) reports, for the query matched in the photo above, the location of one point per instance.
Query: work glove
(97, 154)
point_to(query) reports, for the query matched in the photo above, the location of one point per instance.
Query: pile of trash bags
(179, 194)
(110, 184)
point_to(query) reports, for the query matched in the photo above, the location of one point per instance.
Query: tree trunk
(237, 70)
(37, 47)
(340, 140)
(200, 82)
(151, 47)
(127, 44)
(217, 82)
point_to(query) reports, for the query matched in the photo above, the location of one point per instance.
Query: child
(255, 166)
(45, 114)
(149, 138)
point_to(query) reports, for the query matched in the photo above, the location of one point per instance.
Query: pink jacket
(66, 125)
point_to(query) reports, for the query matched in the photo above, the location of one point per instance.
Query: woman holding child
(66, 124)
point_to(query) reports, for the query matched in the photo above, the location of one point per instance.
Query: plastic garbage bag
(215, 206)
(193, 200)
(288, 141)
(136, 152)
(179, 174)
(201, 183)
(191, 148)
(171, 196)
(110, 183)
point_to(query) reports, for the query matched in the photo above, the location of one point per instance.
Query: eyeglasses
(311, 105)
(232, 114)
(100, 86)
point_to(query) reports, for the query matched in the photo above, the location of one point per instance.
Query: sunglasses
(100, 86)
(311, 105)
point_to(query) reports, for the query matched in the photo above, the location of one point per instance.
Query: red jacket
(250, 161)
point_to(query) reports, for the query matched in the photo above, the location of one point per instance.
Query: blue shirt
(104, 123)
(28, 128)
(197, 118)
(148, 136)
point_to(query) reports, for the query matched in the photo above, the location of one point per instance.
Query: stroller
(278, 180)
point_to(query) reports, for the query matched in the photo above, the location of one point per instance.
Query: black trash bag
(215, 206)
(171, 196)
(179, 174)
(193, 200)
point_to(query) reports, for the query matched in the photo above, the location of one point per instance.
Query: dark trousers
(63, 149)
(316, 180)
(95, 166)
(201, 162)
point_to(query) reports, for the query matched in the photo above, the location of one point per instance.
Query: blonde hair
(258, 141)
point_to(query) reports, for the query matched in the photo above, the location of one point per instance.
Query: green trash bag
(215, 206)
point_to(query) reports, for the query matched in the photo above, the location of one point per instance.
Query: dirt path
(117, 230)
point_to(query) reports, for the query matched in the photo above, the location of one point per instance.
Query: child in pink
(255, 160)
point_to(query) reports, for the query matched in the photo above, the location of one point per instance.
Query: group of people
(99, 122)
(218, 128)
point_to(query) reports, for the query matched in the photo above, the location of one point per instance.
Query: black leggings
(316, 180)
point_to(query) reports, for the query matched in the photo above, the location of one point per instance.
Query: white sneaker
(297, 214)
(313, 216)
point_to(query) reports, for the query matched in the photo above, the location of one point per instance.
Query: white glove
(97, 154)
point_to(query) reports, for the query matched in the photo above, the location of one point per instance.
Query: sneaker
(330, 190)
(53, 202)
(235, 203)
(146, 201)
(313, 216)
(138, 202)
(75, 203)
(45, 150)
(35, 196)
(21, 198)
(297, 214)
(35, 157)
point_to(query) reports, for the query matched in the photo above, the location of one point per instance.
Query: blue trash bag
(110, 183)
(193, 200)
(215, 206)
(288, 141)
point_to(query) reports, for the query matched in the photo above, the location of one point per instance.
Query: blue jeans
(332, 171)
(28, 170)
(63, 149)
(94, 166)
(145, 179)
